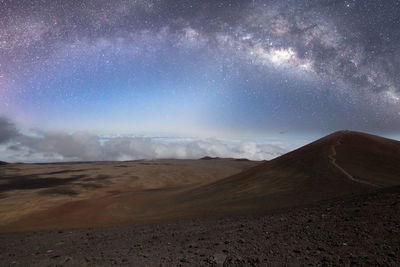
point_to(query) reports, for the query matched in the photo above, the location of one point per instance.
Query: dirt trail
(348, 175)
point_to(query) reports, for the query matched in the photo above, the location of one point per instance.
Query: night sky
(265, 75)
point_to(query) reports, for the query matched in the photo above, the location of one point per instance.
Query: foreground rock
(353, 231)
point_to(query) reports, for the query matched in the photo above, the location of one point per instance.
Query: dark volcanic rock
(360, 231)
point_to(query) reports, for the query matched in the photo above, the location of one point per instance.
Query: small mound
(242, 159)
(209, 158)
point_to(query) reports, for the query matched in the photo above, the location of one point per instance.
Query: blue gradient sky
(260, 70)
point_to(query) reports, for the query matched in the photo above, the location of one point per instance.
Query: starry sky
(283, 71)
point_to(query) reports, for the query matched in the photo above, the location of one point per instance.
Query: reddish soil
(332, 202)
(360, 230)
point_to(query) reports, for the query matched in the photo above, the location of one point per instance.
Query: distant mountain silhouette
(209, 158)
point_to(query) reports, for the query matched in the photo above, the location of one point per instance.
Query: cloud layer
(8, 130)
(81, 146)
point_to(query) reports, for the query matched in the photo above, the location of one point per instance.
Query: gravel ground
(353, 231)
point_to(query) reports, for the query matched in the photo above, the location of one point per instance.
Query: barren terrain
(361, 230)
(332, 202)
(97, 193)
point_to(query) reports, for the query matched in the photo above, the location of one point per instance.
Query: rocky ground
(353, 231)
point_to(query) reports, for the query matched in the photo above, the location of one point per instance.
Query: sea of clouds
(50, 146)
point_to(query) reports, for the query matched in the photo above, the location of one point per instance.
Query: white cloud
(48, 146)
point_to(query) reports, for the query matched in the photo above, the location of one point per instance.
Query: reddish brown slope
(339, 164)
(370, 158)
(314, 172)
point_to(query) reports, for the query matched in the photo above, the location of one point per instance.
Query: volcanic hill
(340, 164)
